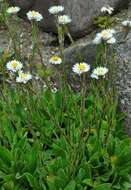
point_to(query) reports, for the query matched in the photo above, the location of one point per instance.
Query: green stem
(68, 34)
(12, 32)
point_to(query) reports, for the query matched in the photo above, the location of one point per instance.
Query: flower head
(126, 23)
(107, 9)
(45, 87)
(13, 10)
(55, 60)
(93, 76)
(14, 65)
(100, 71)
(80, 68)
(56, 9)
(23, 77)
(34, 15)
(98, 39)
(111, 41)
(54, 90)
(106, 35)
(64, 19)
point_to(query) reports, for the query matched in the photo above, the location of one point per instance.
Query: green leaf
(88, 182)
(5, 156)
(58, 100)
(32, 159)
(104, 124)
(32, 181)
(106, 186)
(127, 185)
(51, 182)
(8, 130)
(81, 174)
(9, 185)
(71, 185)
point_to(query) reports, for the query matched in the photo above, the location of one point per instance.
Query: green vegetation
(59, 139)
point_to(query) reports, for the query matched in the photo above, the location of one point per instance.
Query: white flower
(54, 90)
(56, 9)
(105, 35)
(14, 65)
(37, 78)
(34, 15)
(111, 41)
(80, 68)
(107, 9)
(98, 39)
(23, 77)
(100, 71)
(55, 60)
(45, 87)
(111, 31)
(94, 76)
(13, 10)
(126, 23)
(64, 19)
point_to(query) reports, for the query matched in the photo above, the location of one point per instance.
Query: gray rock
(82, 12)
(124, 80)
(82, 50)
(24, 4)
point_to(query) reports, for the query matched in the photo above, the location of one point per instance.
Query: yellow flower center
(14, 64)
(104, 33)
(82, 66)
(23, 75)
(34, 13)
(55, 58)
(100, 71)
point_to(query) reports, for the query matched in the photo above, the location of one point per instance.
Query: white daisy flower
(54, 90)
(37, 78)
(111, 41)
(45, 87)
(93, 76)
(80, 68)
(56, 9)
(55, 60)
(126, 23)
(107, 9)
(105, 35)
(64, 19)
(14, 65)
(34, 15)
(111, 31)
(100, 71)
(13, 10)
(23, 77)
(98, 39)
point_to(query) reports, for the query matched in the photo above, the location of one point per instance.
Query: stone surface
(24, 4)
(124, 80)
(82, 12)
(24, 31)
